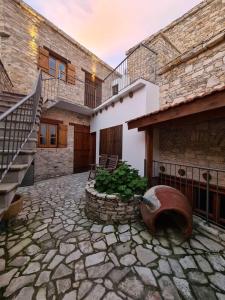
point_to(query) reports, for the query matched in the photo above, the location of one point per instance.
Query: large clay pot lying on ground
(166, 201)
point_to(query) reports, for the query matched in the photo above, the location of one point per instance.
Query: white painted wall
(144, 100)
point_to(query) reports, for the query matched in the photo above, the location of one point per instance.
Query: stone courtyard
(52, 251)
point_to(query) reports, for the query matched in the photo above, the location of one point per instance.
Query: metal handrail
(140, 63)
(23, 100)
(190, 166)
(53, 87)
(192, 180)
(139, 46)
(17, 125)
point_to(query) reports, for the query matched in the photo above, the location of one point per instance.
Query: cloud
(110, 27)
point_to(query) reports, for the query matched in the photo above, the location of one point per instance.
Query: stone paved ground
(54, 252)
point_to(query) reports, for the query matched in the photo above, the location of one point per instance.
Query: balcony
(139, 64)
(92, 92)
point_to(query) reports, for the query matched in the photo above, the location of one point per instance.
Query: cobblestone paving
(52, 251)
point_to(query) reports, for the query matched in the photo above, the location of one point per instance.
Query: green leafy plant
(124, 181)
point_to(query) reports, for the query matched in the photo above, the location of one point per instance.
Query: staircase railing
(5, 82)
(16, 126)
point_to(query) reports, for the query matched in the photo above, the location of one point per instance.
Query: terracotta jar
(166, 200)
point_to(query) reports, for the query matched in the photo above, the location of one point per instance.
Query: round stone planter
(14, 208)
(110, 208)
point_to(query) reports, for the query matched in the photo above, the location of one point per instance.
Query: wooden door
(93, 148)
(111, 140)
(81, 148)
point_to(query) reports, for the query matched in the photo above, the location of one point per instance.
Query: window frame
(48, 124)
(58, 62)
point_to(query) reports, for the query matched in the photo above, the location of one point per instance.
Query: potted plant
(114, 197)
(14, 208)
(124, 181)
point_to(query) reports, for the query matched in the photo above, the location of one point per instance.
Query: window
(115, 89)
(48, 135)
(57, 68)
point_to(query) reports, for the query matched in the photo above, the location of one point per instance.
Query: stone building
(191, 62)
(189, 127)
(30, 42)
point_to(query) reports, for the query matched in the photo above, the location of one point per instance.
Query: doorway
(81, 148)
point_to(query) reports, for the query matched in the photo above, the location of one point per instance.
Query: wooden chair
(112, 163)
(103, 158)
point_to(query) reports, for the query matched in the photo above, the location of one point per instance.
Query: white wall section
(145, 100)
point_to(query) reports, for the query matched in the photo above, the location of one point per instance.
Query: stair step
(22, 152)
(11, 94)
(16, 139)
(30, 144)
(7, 187)
(8, 100)
(17, 167)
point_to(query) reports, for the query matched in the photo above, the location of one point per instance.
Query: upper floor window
(115, 89)
(57, 68)
(56, 65)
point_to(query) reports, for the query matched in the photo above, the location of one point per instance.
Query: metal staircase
(19, 120)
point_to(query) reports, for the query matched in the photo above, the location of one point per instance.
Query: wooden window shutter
(70, 74)
(43, 59)
(62, 137)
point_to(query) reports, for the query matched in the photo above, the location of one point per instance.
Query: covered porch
(185, 145)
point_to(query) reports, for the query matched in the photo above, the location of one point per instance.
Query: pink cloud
(109, 28)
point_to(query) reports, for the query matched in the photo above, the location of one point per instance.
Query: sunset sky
(110, 27)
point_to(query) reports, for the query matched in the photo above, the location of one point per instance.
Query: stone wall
(110, 208)
(51, 162)
(200, 74)
(201, 144)
(190, 53)
(19, 52)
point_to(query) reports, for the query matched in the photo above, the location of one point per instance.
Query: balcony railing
(139, 64)
(5, 82)
(82, 92)
(204, 187)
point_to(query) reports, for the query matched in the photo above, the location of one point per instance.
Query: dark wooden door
(93, 148)
(111, 140)
(81, 148)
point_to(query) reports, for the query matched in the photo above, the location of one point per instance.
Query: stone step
(15, 173)
(12, 95)
(7, 187)
(24, 156)
(16, 167)
(30, 144)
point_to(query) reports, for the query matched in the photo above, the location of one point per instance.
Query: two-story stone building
(71, 73)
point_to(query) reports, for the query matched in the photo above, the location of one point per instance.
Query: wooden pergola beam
(205, 104)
